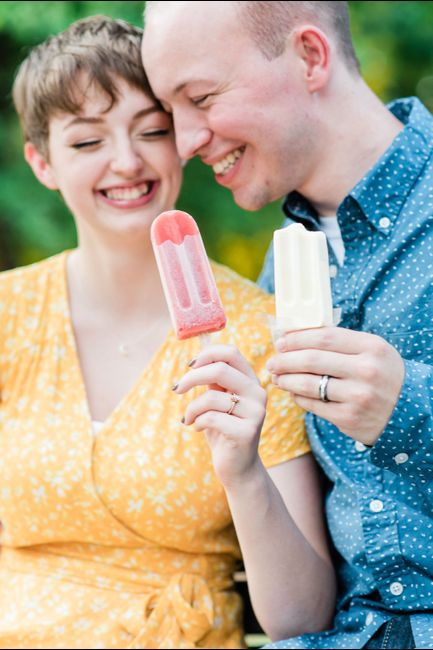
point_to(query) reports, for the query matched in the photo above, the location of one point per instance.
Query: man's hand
(365, 377)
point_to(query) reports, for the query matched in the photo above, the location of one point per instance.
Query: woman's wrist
(252, 478)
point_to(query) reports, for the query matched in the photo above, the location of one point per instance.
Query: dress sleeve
(283, 435)
(5, 321)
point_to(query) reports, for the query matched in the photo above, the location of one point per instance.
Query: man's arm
(405, 446)
(375, 396)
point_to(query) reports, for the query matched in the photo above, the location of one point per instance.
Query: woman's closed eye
(86, 144)
(154, 134)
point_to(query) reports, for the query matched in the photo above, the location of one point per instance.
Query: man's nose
(192, 136)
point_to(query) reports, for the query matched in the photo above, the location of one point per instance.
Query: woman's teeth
(223, 166)
(128, 193)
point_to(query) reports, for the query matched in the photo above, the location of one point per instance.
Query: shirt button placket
(376, 505)
(401, 458)
(384, 223)
(396, 588)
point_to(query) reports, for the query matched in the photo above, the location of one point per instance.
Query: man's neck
(358, 132)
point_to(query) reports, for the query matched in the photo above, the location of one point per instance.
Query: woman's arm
(279, 522)
(278, 514)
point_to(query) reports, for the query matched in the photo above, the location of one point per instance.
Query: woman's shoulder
(24, 290)
(14, 281)
(239, 293)
(249, 311)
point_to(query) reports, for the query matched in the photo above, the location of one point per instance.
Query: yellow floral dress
(123, 539)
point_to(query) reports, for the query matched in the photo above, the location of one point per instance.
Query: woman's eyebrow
(79, 119)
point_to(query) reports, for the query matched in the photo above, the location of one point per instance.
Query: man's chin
(250, 201)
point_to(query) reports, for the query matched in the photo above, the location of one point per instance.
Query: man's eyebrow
(183, 84)
(99, 120)
(180, 87)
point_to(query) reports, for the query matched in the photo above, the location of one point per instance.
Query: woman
(116, 530)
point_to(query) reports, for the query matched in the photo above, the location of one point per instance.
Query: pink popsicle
(187, 279)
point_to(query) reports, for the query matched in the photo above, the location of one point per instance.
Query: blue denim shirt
(379, 502)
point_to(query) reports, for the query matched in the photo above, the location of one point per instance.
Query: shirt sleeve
(405, 447)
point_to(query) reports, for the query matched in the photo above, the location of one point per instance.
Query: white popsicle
(302, 285)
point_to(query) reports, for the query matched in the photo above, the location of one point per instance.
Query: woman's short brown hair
(102, 48)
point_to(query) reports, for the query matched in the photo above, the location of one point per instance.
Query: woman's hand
(230, 412)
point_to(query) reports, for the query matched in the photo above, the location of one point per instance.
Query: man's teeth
(128, 193)
(223, 166)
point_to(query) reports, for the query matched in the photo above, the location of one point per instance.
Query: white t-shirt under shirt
(331, 228)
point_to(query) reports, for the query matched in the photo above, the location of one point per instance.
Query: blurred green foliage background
(394, 42)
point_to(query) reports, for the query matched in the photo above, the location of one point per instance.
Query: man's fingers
(316, 362)
(333, 339)
(304, 385)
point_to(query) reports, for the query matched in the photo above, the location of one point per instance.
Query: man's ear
(41, 168)
(313, 47)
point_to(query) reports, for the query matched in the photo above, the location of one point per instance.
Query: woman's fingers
(228, 354)
(230, 404)
(221, 374)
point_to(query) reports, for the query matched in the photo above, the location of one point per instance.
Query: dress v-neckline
(70, 333)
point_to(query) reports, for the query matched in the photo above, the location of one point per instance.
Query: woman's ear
(313, 47)
(41, 169)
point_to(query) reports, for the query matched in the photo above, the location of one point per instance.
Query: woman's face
(116, 169)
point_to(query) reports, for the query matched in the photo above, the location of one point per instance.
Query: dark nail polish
(192, 362)
(183, 420)
(175, 387)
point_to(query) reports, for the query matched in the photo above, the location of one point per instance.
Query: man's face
(242, 114)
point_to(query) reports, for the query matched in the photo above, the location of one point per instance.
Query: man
(270, 95)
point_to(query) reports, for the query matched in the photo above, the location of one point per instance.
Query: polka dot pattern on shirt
(379, 504)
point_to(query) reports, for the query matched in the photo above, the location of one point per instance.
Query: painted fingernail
(183, 420)
(175, 387)
(192, 362)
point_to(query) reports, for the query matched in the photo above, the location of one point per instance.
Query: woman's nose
(127, 160)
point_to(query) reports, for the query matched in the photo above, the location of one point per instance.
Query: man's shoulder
(414, 114)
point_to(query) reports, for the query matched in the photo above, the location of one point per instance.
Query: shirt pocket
(412, 345)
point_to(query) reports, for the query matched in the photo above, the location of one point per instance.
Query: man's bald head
(270, 22)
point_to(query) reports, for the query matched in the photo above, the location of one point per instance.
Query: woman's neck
(116, 281)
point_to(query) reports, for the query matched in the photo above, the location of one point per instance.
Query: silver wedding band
(323, 388)
(234, 400)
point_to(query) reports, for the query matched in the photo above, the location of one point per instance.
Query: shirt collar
(297, 207)
(382, 191)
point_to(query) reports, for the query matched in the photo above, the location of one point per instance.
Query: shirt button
(359, 446)
(396, 588)
(384, 222)
(376, 505)
(369, 618)
(333, 271)
(401, 458)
